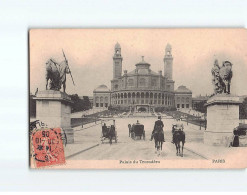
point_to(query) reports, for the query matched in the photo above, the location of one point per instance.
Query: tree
(79, 104)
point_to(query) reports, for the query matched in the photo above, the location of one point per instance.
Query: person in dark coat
(158, 125)
(235, 142)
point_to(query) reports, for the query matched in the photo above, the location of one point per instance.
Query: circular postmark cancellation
(47, 147)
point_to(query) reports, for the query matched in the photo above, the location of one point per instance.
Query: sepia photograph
(138, 98)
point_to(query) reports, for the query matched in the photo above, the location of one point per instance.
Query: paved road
(127, 148)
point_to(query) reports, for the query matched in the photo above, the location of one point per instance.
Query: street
(88, 145)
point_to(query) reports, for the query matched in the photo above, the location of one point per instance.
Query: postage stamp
(48, 147)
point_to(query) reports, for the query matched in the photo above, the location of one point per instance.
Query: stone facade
(183, 98)
(101, 97)
(141, 86)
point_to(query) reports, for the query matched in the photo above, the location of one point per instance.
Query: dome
(101, 88)
(142, 64)
(182, 89)
(117, 46)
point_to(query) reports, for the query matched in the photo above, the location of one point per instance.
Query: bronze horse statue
(56, 74)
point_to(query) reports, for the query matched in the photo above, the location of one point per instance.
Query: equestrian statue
(56, 74)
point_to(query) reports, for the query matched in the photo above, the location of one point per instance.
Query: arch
(97, 99)
(155, 95)
(101, 99)
(163, 96)
(125, 95)
(151, 95)
(138, 94)
(142, 82)
(147, 95)
(118, 95)
(121, 95)
(183, 99)
(129, 95)
(159, 95)
(130, 82)
(142, 94)
(154, 82)
(133, 95)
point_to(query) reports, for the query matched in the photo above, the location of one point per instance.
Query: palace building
(142, 88)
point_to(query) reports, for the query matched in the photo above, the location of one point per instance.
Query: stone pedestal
(222, 118)
(53, 108)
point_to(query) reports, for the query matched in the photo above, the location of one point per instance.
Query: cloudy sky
(90, 52)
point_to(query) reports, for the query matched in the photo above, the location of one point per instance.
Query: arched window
(154, 82)
(97, 99)
(101, 99)
(142, 82)
(116, 87)
(130, 82)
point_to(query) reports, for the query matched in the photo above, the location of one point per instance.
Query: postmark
(48, 147)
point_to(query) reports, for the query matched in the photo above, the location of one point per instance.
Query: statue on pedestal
(222, 77)
(56, 74)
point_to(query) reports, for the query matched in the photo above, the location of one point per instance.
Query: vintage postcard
(138, 98)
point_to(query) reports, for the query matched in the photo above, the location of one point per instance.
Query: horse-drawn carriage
(109, 132)
(137, 130)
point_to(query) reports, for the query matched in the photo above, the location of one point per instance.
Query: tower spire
(117, 61)
(168, 62)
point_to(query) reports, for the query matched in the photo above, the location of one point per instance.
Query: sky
(90, 51)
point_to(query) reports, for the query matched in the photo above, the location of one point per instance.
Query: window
(106, 105)
(182, 105)
(142, 82)
(178, 99)
(116, 87)
(101, 105)
(178, 105)
(97, 104)
(154, 82)
(130, 82)
(187, 105)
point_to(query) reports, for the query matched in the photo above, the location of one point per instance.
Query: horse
(111, 133)
(179, 136)
(56, 74)
(158, 139)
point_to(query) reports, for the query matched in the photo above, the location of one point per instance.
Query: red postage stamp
(48, 147)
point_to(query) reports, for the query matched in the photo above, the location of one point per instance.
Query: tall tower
(168, 62)
(117, 62)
